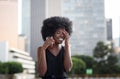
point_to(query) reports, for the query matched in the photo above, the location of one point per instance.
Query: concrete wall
(21, 42)
(9, 22)
(41, 9)
(54, 8)
(38, 14)
(3, 51)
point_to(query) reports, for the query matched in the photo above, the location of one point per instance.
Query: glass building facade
(88, 24)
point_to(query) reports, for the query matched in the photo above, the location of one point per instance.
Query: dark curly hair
(50, 25)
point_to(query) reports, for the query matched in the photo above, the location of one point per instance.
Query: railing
(96, 76)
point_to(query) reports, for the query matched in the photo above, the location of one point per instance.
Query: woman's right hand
(48, 42)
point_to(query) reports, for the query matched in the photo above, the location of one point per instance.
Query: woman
(54, 57)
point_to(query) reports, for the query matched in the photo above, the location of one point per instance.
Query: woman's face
(59, 36)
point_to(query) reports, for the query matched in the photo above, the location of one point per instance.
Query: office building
(109, 29)
(12, 45)
(89, 25)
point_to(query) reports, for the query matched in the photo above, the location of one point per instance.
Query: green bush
(3, 68)
(10, 68)
(78, 66)
(89, 61)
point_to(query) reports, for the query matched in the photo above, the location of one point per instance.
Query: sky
(112, 11)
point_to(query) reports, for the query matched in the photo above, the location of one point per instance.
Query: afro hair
(50, 25)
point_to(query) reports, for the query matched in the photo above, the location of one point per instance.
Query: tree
(105, 58)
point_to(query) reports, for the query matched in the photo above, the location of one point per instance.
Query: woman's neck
(55, 49)
(55, 46)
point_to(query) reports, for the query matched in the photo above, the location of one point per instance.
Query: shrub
(10, 68)
(89, 61)
(78, 66)
(3, 68)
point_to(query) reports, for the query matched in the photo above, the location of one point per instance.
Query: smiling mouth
(61, 39)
